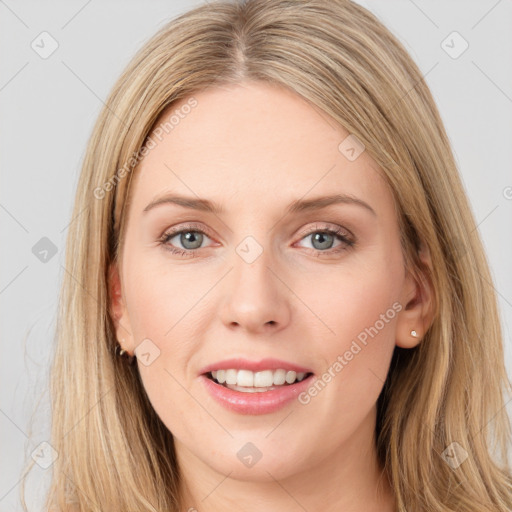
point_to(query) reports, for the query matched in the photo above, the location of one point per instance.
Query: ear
(418, 298)
(118, 311)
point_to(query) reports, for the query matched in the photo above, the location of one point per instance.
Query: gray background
(48, 106)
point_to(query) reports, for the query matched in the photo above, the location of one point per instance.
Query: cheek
(160, 298)
(362, 311)
(163, 309)
(357, 302)
(365, 312)
(159, 317)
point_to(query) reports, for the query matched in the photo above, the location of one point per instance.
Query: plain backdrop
(50, 102)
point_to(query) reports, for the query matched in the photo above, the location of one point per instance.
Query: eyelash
(338, 233)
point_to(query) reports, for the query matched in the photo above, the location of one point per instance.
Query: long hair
(443, 400)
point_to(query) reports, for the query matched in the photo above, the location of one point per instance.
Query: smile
(247, 381)
(250, 387)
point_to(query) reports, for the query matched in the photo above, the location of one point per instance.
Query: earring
(414, 334)
(124, 354)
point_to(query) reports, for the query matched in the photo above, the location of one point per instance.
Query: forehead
(252, 144)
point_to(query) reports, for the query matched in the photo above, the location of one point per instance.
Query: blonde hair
(113, 449)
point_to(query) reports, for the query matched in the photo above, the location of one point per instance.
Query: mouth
(247, 381)
(245, 386)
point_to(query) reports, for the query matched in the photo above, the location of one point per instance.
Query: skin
(254, 148)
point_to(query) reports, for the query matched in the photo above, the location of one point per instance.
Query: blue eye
(191, 239)
(323, 239)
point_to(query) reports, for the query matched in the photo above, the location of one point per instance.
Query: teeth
(231, 376)
(265, 379)
(279, 377)
(290, 377)
(245, 378)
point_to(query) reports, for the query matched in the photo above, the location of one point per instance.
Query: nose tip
(251, 322)
(254, 298)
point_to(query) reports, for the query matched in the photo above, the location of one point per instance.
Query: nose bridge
(254, 297)
(252, 275)
(254, 261)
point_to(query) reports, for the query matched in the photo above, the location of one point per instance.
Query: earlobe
(418, 296)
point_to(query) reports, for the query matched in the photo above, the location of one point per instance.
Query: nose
(255, 297)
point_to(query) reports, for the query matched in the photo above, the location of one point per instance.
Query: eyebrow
(300, 205)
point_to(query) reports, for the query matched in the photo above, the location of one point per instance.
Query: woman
(277, 298)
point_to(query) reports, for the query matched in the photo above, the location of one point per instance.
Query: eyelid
(320, 226)
(192, 226)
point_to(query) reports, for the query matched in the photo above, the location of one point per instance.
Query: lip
(264, 402)
(254, 366)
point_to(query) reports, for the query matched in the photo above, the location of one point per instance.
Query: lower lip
(263, 402)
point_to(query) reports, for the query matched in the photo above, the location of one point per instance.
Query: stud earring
(124, 354)
(414, 334)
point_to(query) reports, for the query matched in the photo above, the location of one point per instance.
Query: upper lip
(254, 366)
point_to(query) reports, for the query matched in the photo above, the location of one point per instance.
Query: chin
(255, 461)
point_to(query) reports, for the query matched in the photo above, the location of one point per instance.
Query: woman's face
(260, 287)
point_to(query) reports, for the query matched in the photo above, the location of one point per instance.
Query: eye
(190, 238)
(323, 240)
